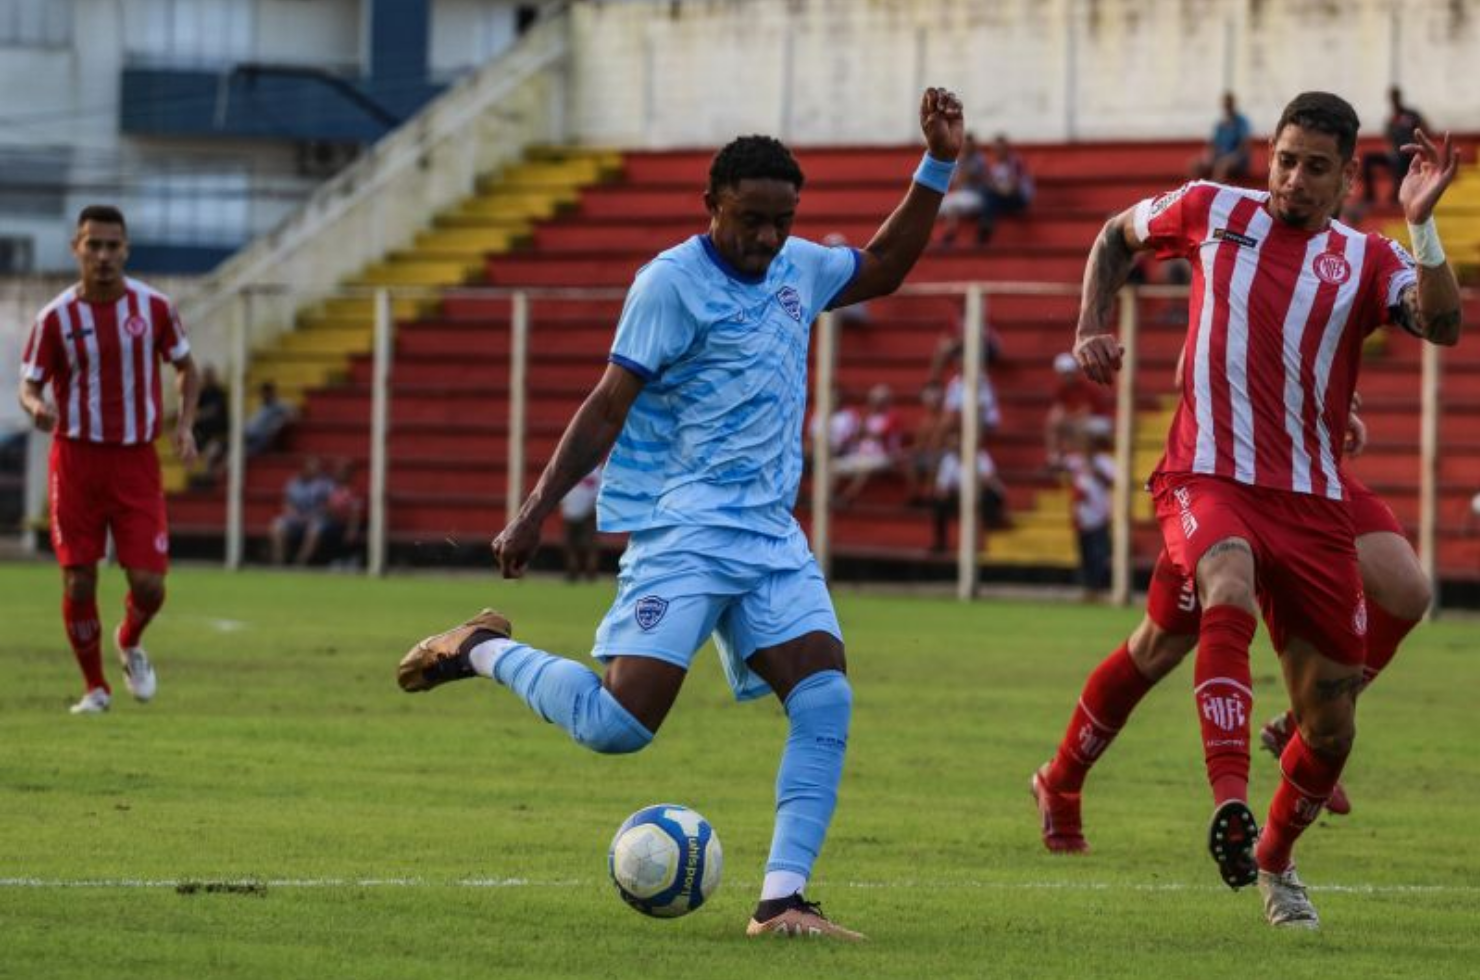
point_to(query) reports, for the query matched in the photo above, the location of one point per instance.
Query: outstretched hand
(1431, 171)
(942, 122)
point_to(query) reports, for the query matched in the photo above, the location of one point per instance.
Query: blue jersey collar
(725, 267)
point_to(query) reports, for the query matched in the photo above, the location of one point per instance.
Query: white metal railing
(381, 200)
(974, 297)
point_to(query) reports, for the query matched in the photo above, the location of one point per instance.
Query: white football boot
(1285, 901)
(137, 670)
(94, 702)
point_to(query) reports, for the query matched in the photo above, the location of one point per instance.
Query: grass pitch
(282, 810)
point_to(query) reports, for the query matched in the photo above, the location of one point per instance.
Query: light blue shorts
(677, 586)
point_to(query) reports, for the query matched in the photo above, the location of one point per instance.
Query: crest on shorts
(135, 326)
(1359, 617)
(650, 610)
(791, 302)
(1331, 268)
(162, 543)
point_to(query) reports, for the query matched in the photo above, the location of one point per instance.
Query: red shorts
(1171, 598)
(97, 488)
(1305, 555)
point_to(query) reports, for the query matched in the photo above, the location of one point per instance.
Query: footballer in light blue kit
(699, 417)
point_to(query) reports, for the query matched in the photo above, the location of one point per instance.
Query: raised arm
(1431, 309)
(897, 245)
(1110, 262)
(587, 440)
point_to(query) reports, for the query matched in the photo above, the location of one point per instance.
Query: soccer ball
(665, 860)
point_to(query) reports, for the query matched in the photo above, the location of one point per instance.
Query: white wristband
(1427, 248)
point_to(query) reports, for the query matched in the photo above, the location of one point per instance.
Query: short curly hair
(753, 158)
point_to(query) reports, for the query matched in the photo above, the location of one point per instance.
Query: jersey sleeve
(40, 359)
(832, 269)
(170, 339)
(1396, 271)
(1168, 222)
(656, 326)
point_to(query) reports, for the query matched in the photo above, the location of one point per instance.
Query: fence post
(380, 398)
(1428, 471)
(518, 382)
(1125, 451)
(822, 410)
(236, 454)
(967, 557)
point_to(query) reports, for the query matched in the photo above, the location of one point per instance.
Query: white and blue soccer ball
(665, 860)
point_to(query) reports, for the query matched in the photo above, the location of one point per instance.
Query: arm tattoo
(1110, 264)
(1441, 327)
(1340, 689)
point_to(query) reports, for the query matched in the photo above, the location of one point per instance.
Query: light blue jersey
(714, 438)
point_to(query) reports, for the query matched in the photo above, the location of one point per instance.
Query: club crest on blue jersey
(650, 610)
(791, 302)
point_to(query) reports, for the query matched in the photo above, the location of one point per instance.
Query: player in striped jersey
(1248, 493)
(100, 346)
(1398, 595)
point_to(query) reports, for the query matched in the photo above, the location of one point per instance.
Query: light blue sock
(570, 695)
(819, 709)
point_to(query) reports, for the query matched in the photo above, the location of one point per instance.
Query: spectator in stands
(878, 446)
(262, 430)
(1403, 121)
(1227, 154)
(923, 454)
(212, 427)
(967, 196)
(1089, 469)
(578, 511)
(946, 499)
(1009, 188)
(299, 528)
(341, 542)
(1076, 403)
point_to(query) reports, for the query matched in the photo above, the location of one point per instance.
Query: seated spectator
(342, 539)
(1089, 469)
(967, 195)
(212, 427)
(300, 526)
(946, 499)
(1403, 121)
(841, 431)
(1009, 188)
(262, 430)
(578, 511)
(1076, 401)
(1227, 155)
(876, 448)
(924, 446)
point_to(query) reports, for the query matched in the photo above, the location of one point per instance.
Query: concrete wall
(818, 71)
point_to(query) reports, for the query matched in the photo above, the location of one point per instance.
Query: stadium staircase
(586, 220)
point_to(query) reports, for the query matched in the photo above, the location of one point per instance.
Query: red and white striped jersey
(1277, 316)
(102, 360)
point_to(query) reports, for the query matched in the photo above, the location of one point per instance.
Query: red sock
(1306, 781)
(136, 616)
(1224, 689)
(1384, 632)
(85, 633)
(1110, 694)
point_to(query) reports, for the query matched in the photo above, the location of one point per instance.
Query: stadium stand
(590, 220)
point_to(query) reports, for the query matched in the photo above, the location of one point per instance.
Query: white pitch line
(366, 883)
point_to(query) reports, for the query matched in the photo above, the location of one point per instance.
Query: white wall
(816, 71)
